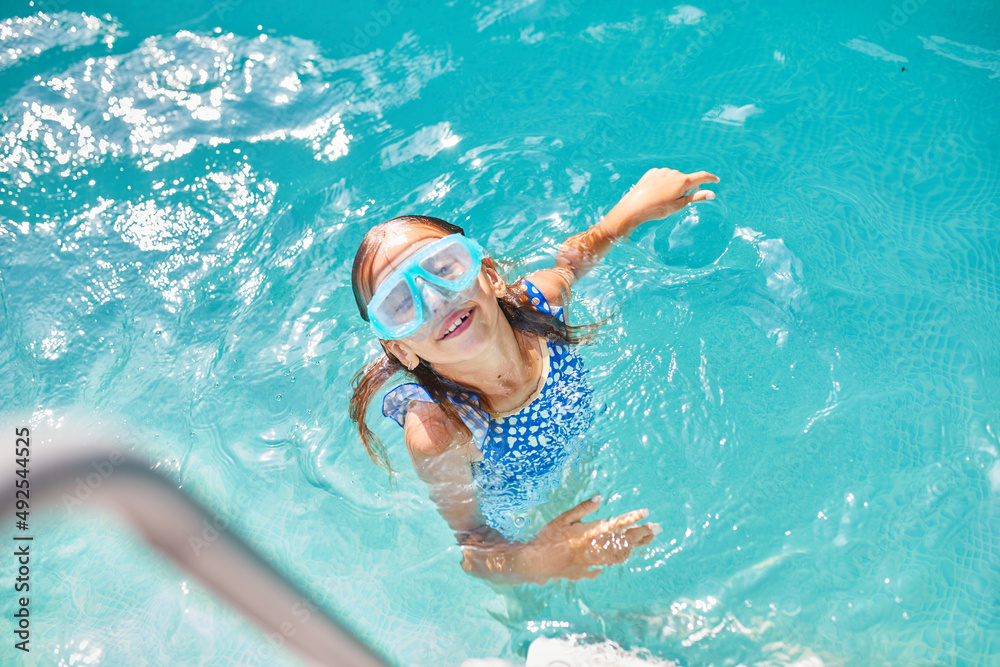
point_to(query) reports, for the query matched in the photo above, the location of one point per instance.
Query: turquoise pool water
(801, 379)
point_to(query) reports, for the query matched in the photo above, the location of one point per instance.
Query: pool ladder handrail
(168, 518)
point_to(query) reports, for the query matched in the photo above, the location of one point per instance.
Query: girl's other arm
(566, 547)
(441, 456)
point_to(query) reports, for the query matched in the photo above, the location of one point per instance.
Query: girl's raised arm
(658, 194)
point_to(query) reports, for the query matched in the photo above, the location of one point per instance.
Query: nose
(433, 296)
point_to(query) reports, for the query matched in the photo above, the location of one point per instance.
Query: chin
(466, 346)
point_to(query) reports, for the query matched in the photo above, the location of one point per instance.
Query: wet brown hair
(515, 305)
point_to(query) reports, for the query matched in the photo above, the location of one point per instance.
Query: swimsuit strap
(539, 301)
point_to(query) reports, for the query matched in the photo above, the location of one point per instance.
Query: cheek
(493, 317)
(485, 288)
(486, 299)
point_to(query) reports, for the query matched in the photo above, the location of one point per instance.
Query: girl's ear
(496, 282)
(394, 348)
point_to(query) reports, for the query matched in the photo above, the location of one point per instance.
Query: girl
(500, 401)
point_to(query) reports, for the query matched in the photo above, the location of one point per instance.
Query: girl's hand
(662, 192)
(659, 193)
(569, 548)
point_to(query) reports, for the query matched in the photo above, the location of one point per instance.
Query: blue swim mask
(426, 288)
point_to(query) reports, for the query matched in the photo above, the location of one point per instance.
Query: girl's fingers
(611, 552)
(615, 549)
(701, 177)
(696, 196)
(625, 520)
(640, 536)
(617, 546)
(642, 541)
(573, 515)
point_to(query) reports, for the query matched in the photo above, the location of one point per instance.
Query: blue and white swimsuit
(524, 454)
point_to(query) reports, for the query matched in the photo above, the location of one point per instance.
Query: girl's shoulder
(426, 430)
(403, 399)
(540, 295)
(554, 284)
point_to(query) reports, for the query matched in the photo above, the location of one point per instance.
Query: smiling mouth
(458, 324)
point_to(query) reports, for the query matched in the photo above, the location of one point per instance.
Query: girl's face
(479, 318)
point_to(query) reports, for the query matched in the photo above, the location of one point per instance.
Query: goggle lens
(450, 264)
(398, 306)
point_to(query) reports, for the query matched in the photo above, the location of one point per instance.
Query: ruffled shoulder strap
(396, 404)
(397, 401)
(539, 301)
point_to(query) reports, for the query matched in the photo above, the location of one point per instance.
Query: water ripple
(26, 37)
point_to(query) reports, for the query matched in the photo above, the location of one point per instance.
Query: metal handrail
(168, 519)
